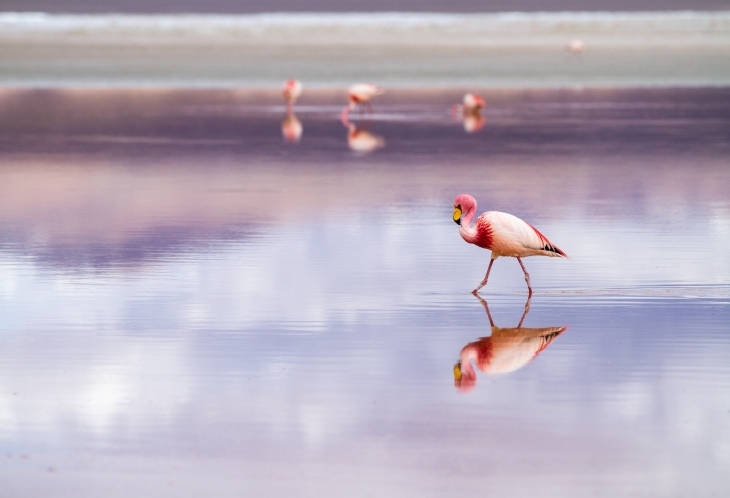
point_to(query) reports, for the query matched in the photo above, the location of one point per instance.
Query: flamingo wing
(511, 233)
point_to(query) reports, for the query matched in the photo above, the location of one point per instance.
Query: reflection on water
(291, 128)
(186, 300)
(361, 140)
(506, 350)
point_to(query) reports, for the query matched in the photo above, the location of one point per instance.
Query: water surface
(190, 304)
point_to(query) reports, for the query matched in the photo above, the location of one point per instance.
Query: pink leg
(486, 277)
(527, 276)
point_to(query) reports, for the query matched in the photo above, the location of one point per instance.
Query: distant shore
(507, 50)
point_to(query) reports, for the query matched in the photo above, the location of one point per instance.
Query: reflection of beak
(457, 371)
(457, 216)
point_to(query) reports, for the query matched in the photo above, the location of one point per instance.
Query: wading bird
(503, 234)
(575, 46)
(506, 350)
(470, 112)
(359, 94)
(291, 90)
(472, 104)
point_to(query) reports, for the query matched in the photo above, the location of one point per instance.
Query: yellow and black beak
(457, 215)
(457, 371)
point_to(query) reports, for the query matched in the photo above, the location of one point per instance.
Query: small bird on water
(503, 234)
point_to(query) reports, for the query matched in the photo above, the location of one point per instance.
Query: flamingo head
(466, 379)
(464, 203)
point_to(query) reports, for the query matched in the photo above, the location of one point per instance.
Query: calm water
(190, 305)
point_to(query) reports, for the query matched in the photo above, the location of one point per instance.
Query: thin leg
(486, 277)
(527, 310)
(527, 276)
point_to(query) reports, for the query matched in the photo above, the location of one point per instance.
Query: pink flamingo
(506, 350)
(291, 90)
(575, 46)
(503, 234)
(470, 111)
(472, 104)
(359, 94)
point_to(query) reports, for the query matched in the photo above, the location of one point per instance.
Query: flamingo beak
(457, 215)
(457, 371)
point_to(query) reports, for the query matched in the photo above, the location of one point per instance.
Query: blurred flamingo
(291, 90)
(575, 46)
(291, 128)
(361, 140)
(506, 350)
(503, 234)
(470, 112)
(359, 94)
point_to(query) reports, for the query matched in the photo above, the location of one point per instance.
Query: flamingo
(291, 90)
(363, 140)
(503, 234)
(359, 94)
(575, 46)
(506, 350)
(291, 128)
(470, 112)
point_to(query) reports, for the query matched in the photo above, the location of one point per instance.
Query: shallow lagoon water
(191, 305)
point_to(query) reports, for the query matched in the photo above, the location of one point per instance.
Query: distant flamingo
(575, 46)
(506, 350)
(359, 94)
(291, 90)
(472, 104)
(363, 140)
(291, 128)
(503, 234)
(470, 112)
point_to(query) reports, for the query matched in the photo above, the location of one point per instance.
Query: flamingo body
(576, 46)
(292, 90)
(474, 103)
(361, 93)
(501, 233)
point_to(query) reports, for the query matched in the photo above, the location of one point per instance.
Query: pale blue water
(190, 305)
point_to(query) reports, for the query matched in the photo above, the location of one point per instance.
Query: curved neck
(468, 233)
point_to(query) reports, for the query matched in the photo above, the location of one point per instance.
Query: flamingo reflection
(470, 112)
(361, 140)
(506, 350)
(291, 128)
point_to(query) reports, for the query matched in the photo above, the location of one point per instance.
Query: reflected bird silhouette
(359, 94)
(361, 140)
(506, 350)
(291, 128)
(291, 91)
(503, 234)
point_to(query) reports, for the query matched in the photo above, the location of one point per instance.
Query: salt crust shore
(334, 50)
